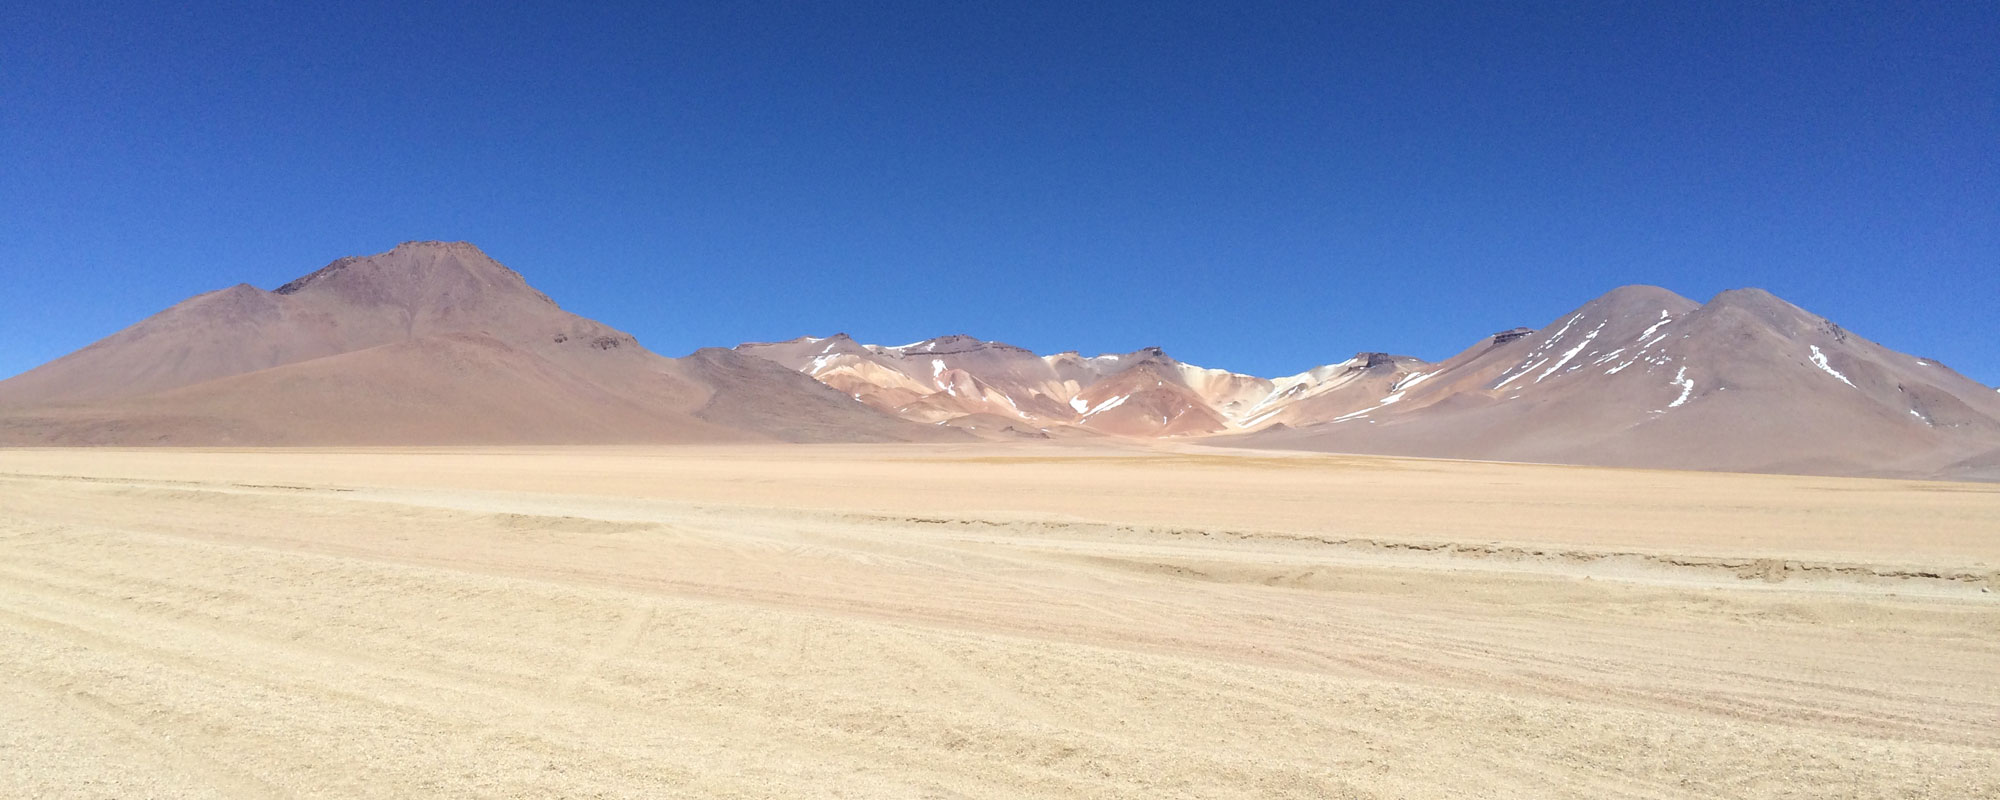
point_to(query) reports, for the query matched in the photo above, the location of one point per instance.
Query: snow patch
(1819, 360)
(1517, 376)
(1565, 329)
(1664, 319)
(822, 364)
(1386, 402)
(1108, 405)
(1687, 387)
(1573, 351)
(1346, 417)
(1253, 421)
(1411, 380)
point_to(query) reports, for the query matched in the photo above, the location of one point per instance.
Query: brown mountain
(1639, 377)
(429, 343)
(436, 343)
(1644, 377)
(998, 388)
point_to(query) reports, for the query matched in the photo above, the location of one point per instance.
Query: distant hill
(429, 343)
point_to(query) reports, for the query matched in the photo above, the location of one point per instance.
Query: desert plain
(983, 621)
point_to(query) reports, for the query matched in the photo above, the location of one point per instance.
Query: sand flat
(983, 621)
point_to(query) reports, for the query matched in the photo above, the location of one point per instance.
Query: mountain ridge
(427, 343)
(436, 342)
(1638, 376)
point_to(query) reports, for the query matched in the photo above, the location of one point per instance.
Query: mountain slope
(1643, 377)
(436, 343)
(969, 382)
(429, 343)
(418, 289)
(1638, 377)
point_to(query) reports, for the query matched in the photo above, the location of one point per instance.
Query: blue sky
(1262, 187)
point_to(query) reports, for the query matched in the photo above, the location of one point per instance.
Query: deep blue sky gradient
(1261, 187)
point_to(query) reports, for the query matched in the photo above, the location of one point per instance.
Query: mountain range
(436, 343)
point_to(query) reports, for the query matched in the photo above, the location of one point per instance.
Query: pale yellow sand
(983, 622)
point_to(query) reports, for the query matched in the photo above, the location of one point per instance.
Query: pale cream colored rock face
(983, 620)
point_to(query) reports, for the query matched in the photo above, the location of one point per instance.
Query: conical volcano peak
(419, 245)
(417, 274)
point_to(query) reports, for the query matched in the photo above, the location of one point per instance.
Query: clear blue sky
(1262, 187)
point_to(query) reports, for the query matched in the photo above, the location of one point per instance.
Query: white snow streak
(1664, 319)
(1565, 329)
(819, 364)
(1346, 417)
(1260, 418)
(1411, 380)
(1108, 405)
(1819, 360)
(1573, 351)
(1524, 371)
(1386, 401)
(1687, 387)
(1550, 342)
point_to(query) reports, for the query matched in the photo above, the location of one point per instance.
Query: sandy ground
(925, 621)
